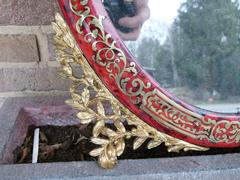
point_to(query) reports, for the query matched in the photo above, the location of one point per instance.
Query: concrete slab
(221, 167)
(13, 115)
(2, 101)
(196, 167)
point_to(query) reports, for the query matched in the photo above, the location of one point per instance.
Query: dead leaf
(25, 152)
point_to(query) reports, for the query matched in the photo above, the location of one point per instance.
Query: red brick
(18, 48)
(51, 48)
(34, 79)
(27, 12)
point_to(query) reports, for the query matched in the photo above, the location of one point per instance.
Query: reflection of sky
(163, 13)
(164, 10)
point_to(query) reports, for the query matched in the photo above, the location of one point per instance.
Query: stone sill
(205, 167)
(194, 167)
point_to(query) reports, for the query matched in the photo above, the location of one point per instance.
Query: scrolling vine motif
(109, 55)
(126, 77)
(197, 127)
(91, 102)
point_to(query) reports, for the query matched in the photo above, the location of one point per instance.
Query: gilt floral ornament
(112, 91)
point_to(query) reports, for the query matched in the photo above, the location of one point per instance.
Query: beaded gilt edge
(93, 102)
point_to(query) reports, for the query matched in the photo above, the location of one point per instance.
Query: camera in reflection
(120, 8)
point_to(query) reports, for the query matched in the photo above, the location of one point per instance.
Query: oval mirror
(191, 48)
(187, 54)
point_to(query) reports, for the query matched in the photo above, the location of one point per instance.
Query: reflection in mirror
(192, 48)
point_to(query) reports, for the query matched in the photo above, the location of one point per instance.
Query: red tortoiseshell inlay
(153, 105)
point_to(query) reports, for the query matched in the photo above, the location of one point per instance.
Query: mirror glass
(192, 48)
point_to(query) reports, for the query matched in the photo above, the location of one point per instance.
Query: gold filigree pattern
(193, 125)
(163, 110)
(93, 101)
(110, 57)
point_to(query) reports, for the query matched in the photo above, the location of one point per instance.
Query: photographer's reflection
(128, 16)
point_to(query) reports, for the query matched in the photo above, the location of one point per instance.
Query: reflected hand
(135, 22)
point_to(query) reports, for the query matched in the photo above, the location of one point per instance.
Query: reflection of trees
(202, 49)
(206, 35)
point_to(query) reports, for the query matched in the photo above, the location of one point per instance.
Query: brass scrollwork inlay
(110, 56)
(163, 110)
(91, 102)
(193, 125)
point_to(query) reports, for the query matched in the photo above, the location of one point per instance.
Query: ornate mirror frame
(112, 79)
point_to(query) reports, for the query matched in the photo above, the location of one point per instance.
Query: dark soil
(71, 143)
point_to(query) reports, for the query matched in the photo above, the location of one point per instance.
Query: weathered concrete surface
(11, 109)
(2, 101)
(220, 167)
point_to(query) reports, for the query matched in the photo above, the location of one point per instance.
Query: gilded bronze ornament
(113, 92)
(113, 145)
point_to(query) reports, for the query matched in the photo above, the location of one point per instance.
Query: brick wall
(27, 55)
